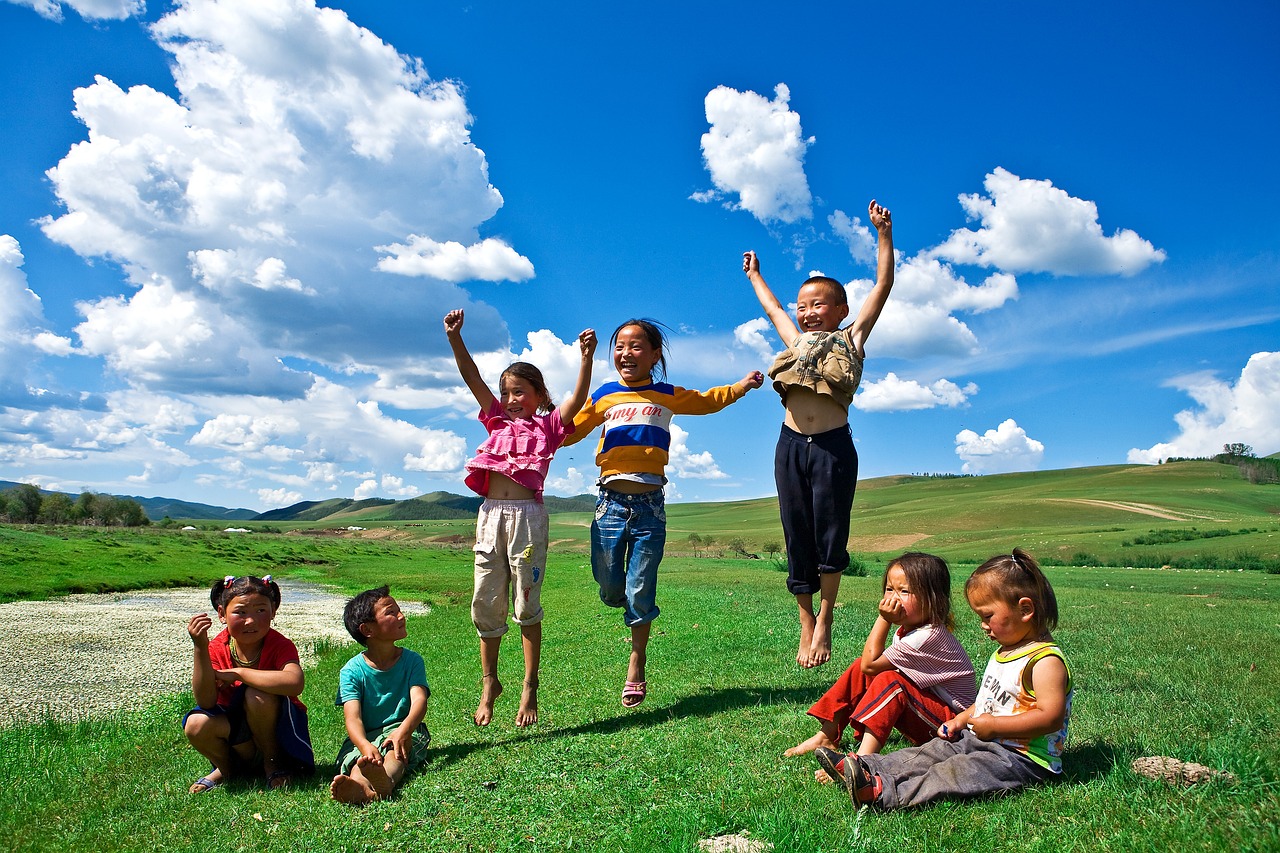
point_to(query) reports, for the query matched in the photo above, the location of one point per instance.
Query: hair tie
(266, 578)
(228, 580)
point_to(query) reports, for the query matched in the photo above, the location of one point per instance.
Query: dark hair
(653, 333)
(837, 289)
(1010, 577)
(526, 371)
(359, 610)
(231, 587)
(930, 580)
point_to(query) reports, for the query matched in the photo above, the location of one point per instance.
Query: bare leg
(871, 745)
(261, 711)
(820, 648)
(209, 735)
(491, 687)
(804, 603)
(828, 735)
(639, 651)
(531, 639)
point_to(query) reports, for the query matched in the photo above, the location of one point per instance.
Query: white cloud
(755, 336)
(1001, 450)
(389, 487)
(685, 463)
(254, 202)
(90, 10)
(860, 239)
(893, 394)
(1032, 226)
(275, 498)
(918, 320)
(1247, 412)
(22, 336)
(244, 433)
(488, 260)
(574, 482)
(755, 149)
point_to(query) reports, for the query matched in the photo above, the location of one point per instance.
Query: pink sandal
(635, 692)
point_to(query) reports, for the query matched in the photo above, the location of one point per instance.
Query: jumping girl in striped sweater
(630, 527)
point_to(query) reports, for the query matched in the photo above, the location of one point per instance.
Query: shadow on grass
(703, 704)
(1084, 762)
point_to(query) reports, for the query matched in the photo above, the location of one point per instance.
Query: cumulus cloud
(686, 463)
(919, 319)
(1032, 226)
(488, 260)
(276, 498)
(860, 240)
(573, 482)
(1245, 411)
(256, 201)
(755, 336)
(389, 486)
(893, 394)
(23, 337)
(90, 10)
(755, 151)
(997, 451)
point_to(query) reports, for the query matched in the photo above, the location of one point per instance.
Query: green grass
(1180, 663)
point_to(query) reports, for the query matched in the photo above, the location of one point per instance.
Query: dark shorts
(816, 476)
(291, 729)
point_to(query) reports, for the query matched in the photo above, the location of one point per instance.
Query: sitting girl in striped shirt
(915, 684)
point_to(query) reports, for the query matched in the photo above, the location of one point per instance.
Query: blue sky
(230, 230)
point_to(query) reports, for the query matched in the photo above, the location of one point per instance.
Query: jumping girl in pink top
(511, 533)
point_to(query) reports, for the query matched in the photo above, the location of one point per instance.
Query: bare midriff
(503, 488)
(810, 413)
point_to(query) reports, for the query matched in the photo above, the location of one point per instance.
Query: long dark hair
(930, 580)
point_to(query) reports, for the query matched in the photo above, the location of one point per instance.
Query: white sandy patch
(86, 655)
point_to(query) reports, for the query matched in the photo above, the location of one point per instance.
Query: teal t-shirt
(383, 694)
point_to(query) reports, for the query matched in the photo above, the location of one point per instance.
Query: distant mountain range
(430, 507)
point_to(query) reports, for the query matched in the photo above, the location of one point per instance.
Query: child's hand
(750, 263)
(587, 343)
(198, 629)
(226, 676)
(950, 730)
(399, 741)
(453, 322)
(880, 217)
(372, 753)
(754, 379)
(891, 609)
(984, 726)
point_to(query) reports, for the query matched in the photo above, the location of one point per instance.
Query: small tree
(55, 509)
(1237, 449)
(695, 542)
(24, 504)
(771, 547)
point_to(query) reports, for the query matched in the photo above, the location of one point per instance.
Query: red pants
(886, 702)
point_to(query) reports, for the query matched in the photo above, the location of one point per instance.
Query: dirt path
(92, 654)
(1143, 509)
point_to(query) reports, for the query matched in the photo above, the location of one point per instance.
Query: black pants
(816, 476)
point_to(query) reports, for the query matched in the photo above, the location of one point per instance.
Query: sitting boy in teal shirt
(383, 692)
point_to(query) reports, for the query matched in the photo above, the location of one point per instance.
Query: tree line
(26, 504)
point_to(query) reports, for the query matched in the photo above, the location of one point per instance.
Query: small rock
(739, 843)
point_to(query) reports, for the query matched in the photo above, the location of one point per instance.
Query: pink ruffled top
(517, 448)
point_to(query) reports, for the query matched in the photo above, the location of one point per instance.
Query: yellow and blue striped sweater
(636, 437)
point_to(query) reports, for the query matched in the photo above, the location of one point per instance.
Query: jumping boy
(383, 692)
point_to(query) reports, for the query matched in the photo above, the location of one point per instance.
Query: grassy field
(1179, 663)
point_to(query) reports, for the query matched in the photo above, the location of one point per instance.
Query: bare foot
(344, 789)
(820, 739)
(820, 648)
(804, 654)
(528, 713)
(377, 776)
(490, 690)
(206, 783)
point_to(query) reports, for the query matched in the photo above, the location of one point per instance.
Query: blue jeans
(627, 538)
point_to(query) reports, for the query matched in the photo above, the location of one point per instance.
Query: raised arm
(466, 364)
(882, 219)
(571, 406)
(773, 309)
